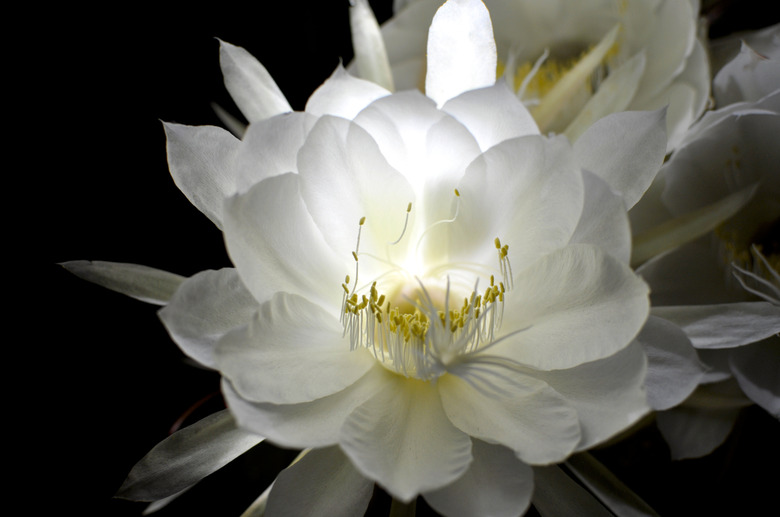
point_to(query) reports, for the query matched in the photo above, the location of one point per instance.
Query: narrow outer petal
(725, 325)
(402, 439)
(205, 308)
(186, 457)
(461, 50)
(250, 85)
(293, 351)
(323, 482)
(497, 484)
(343, 95)
(370, 54)
(140, 282)
(757, 370)
(200, 160)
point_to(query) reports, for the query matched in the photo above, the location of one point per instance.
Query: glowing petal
(370, 54)
(343, 95)
(461, 50)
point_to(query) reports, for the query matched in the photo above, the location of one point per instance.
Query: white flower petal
(603, 221)
(695, 432)
(250, 85)
(308, 424)
(370, 54)
(343, 95)
(186, 457)
(200, 160)
(461, 50)
(496, 484)
(674, 369)
(572, 306)
(619, 379)
(323, 482)
(292, 351)
(205, 308)
(724, 325)
(270, 147)
(140, 282)
(492, 114)
(402, 439)
(269, 226)
(748, 77)
(511, 408)
(344, 177)
(526, 191)
(757, 370)
(626, 150)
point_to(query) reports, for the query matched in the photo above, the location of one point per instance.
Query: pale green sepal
(615, 495)
(250, 85)
(369, 47)
(186, 457)
(143, 283)
(688, 227)
(232, 124)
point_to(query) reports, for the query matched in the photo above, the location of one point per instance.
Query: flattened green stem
(688, 227)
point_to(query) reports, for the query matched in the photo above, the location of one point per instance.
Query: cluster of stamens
(413, 335)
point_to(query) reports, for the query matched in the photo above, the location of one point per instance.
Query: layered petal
(206, 307)
(322, 482)
(626, 150)
(489, 401)
(343, 95)
(270, 225)
(620, 379)
(674, 369)
(307, 424)
(496, 484)
(575, 305)
(402, 438)
(293, 351)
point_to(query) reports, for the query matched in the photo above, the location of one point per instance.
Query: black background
(93, 379)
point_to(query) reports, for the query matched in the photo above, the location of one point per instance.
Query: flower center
(416, 326)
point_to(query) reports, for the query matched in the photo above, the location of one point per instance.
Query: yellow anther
(355, 256)
(409, 207)
(457, 192)
(346, 289)
(362, 220)
(381, 301)
(498, 243)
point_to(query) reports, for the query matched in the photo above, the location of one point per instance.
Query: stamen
(406, 223)
(441, 221)
(527, 79)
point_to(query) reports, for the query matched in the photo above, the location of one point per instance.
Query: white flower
(572, 62)
(724, 175)
(427, 293)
